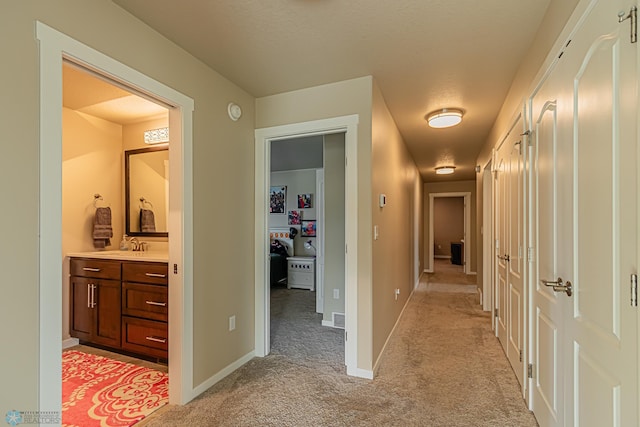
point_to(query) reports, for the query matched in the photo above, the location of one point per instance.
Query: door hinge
(346, 335)
(530, 370)
(633, 19)
(521, 355)
(346, 249)
(175, 268)
(634, 290)
(495, 312)
(529, 254)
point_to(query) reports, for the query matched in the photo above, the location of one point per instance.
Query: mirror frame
(127, 192)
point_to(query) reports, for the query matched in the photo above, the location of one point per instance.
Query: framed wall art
(278, 199)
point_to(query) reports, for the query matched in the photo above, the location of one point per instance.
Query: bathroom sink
(158, 256)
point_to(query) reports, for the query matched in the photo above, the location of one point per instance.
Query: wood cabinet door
(107, 306)
(81, 311)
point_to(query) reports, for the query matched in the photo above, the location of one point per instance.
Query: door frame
(467, 228)
(263, 138)
(488, 240)
(54, 46)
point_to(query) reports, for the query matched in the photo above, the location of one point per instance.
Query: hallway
(443, 367)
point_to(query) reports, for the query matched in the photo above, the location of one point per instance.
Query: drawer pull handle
(95, 270)
(160, 304)
(154, 339)
(162, 276)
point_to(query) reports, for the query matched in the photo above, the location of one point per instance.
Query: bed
(281, 247)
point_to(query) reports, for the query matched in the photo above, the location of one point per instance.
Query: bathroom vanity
(120, 300)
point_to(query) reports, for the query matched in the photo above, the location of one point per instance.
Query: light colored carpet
(443, 367)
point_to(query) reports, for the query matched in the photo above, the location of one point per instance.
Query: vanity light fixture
(444, 118)
(156, 136)
(445, 170)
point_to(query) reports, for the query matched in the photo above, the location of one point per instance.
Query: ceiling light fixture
(444, 118)
(445, 170)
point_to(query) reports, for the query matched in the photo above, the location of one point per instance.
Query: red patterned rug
(97, 391)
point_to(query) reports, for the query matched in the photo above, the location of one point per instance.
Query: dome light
(444, 118)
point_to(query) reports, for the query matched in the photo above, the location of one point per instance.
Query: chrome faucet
(137, 245)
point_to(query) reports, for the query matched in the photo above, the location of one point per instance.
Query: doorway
(264, 138)
(465, 241)
(54, 48)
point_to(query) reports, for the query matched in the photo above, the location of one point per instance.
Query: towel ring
(144, 201)
(97, 197)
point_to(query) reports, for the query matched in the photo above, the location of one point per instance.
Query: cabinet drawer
(96, 268)
(145, 272)
(146, 337)
(147, 301)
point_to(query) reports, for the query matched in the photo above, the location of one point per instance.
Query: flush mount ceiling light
(444, 118)
(445, 170)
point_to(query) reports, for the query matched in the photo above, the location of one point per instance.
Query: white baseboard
(472, 273)
(426, 270)
(208, 383)
(328, 323)
(70, 342)
(442, 256)
(376, 365)
(360, 373)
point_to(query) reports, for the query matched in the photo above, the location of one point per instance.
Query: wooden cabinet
(120, 304)
(145, 308)
(95, 301)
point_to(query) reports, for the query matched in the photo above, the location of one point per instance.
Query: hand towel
(147, 221)
(102, 231)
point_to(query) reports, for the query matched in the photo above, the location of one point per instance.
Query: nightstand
(301, 272)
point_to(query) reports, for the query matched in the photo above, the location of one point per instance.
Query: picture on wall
(308, 228)
(295, 217)
(304, 201)
(278, 197)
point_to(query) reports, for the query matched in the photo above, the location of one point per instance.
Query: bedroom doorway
(347, 126)
(459, 246)
(304, 320)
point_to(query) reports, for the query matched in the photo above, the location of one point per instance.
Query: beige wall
(554, 21)
(223, 274)
(452, 187)
(327, 101)
(448, 223)
(334, 220)
(394, 174)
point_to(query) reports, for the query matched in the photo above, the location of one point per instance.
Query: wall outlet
(232, 322)
(336, 294)
(397, 292)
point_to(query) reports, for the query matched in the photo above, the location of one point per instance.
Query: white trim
(361, 373)
(442, 256)
(472, 273)
(487, 240)
(220, 375)
(467, 227)
(328, 323)
(263, 138)
(54, 46)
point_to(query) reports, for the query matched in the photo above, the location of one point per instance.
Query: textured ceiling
(424, 55)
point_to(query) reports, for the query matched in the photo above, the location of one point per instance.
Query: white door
(510, 245)
(585, 160)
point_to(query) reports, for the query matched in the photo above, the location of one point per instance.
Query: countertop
(150, 256)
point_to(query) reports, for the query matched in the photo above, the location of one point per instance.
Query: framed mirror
(146, 184)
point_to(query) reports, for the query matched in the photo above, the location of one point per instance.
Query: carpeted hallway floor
(443, 367)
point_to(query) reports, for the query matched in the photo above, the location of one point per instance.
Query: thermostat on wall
(383, 200)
